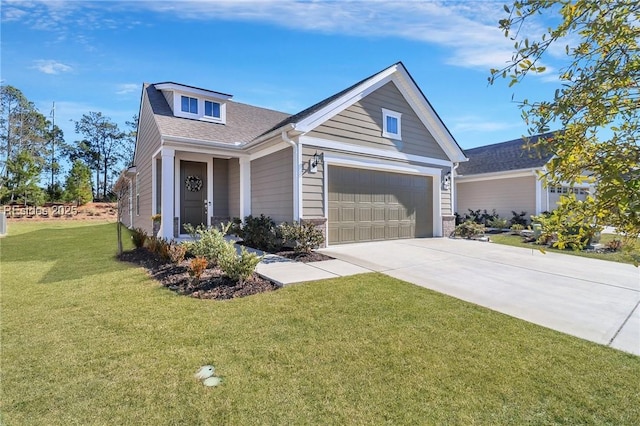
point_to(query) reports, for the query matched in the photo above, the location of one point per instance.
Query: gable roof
(244, 122)
(250, 124)
(516, 154)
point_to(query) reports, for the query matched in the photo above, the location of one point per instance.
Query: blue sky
(94, 56)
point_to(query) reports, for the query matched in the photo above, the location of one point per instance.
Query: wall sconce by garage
(314, 161)
(446, 181)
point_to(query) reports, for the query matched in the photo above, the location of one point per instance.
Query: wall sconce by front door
(315, 161)
(446, 181)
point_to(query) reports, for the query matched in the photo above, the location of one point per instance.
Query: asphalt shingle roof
(244, 122)
(511, 155)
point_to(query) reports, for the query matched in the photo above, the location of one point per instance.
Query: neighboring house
(506, 177)
(372, 162)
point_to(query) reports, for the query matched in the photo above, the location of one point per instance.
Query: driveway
(589, 298)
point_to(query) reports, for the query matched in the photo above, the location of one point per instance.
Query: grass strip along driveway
(89, 340)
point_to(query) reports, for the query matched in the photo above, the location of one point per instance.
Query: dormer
(194, 103)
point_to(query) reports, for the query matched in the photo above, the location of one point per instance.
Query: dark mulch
(212, 285)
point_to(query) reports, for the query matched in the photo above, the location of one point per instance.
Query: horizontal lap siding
(312, 186)
(234, 188)
(272, 186)
(361, 124)
(503, 195)
(220, 187)
(148, 143)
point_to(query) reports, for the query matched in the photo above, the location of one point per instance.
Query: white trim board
(376, 152)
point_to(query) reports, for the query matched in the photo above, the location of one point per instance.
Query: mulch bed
(212, 285)
(303, 257)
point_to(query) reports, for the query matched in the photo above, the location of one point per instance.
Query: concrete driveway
(589, 298)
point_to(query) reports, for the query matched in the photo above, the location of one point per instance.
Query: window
(211, 109)
(391, 124)
(189, 105)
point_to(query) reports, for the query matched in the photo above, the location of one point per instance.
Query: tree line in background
(32, 148)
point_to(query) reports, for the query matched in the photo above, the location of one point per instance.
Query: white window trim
(398, 116)
(177, 108)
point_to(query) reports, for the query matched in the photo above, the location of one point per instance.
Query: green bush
(498, 223)
(206, 243)
(516, 228)
(259, 232)
(237, 266)
(469, 229)
(560, 229)
(519, 218)
(303, 237)
(139, 236)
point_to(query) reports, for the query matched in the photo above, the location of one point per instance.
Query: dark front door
(193, 194)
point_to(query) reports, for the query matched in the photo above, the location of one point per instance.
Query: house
(372, 162)
(506, 177)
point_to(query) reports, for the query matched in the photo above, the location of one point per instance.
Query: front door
(193, 194)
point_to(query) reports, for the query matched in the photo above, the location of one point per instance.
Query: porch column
(168, 193)
(245, 187)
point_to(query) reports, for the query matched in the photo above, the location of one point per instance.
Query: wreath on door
(193, 183)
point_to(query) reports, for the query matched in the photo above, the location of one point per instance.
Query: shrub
(206, 243)
(516, 228)
(197, 266)
(304, 237)
(176, 252)
(139, 236)
(153, 244)
(498, 223)
(614, 245)
(260, 233)
(560, 229)
(237, 266)
(519, 218)
(469, 229)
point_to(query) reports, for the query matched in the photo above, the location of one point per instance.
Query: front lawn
(87, 339)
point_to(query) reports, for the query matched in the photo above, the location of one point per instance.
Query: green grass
(620, 256)
(88, 340)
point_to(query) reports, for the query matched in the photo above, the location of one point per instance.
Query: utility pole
(53, 143)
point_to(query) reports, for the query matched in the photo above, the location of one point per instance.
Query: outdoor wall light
(314, 162)
(446, 181)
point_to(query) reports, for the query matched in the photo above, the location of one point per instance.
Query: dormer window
(212, 109)
(194, 103)
(189, 105)
(391, 124)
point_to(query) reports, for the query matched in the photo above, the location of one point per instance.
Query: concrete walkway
(286, 271)
(593, 299)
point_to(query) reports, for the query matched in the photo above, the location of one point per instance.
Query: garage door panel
(383, 205)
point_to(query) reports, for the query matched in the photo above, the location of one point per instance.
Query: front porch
(205, 187)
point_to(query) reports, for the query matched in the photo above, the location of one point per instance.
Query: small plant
(139, 236)
(469, 229)
(176, 252)
(614, 245)
(519, 218)
(153, 244)
(237, 266)
(516, 228)
(498, 223)
(304, 237)
(196, 267)
(156, 218)
(207, 243)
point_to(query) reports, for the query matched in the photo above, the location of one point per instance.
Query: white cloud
(472, 123)
(126, 88)
(49, 66)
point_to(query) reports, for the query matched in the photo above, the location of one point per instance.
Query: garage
(370, 205)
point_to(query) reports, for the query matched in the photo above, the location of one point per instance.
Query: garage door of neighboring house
(369, 205)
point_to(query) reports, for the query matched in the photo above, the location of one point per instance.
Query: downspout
(454, 200)
(296, 174)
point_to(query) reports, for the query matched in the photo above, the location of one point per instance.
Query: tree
(596, 105)
(23, 174)
(22, 128)
(78, 185)
(102, 147)
(121, 190)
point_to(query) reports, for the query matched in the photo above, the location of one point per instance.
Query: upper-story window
(212, 109)
(391, 124)
(189, 105)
